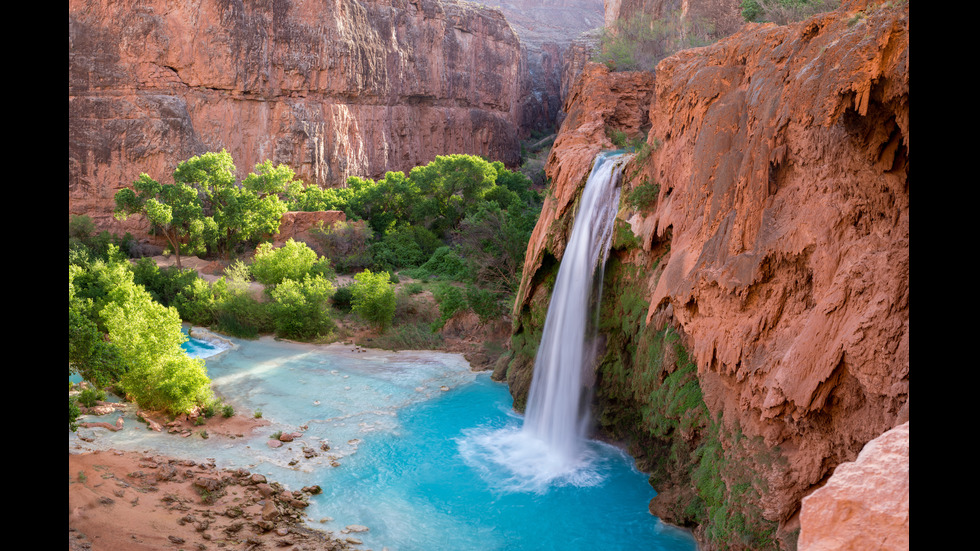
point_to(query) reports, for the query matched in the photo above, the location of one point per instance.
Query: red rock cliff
(776, 246)
(331, 88)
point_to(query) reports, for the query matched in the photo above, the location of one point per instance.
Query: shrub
(639, 43)
(782, 12)
(73, 413)
(293, 260)
(444, 263)
(346, 244)
(643, 196)
(238, 272)
(300, 308)
(227, 410)
(80, 227)
(240, 314)
(90, 396)
(343, 298)
(483, 302)
(373, 298)
(198, 303)
(161, 375)
(163, 284)
(409, 336)
(450, 300)
(404, 246)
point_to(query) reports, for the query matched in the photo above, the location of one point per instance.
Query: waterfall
(558, 404)
(550, 448)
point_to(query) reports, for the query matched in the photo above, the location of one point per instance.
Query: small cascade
(558, 411)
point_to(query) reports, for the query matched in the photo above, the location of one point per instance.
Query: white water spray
(558, 404)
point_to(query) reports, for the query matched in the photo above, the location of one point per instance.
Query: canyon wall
(756, 306)
(548, 30)
(331, 88)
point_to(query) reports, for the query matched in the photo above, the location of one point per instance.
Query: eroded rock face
(784, 184)
(330, 88)
(777, 244)
(865, 504)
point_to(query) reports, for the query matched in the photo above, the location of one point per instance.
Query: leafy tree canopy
(206, 209)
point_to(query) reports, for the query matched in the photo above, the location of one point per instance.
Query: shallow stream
(415, 437)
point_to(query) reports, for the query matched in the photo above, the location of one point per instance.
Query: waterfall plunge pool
(416, 437)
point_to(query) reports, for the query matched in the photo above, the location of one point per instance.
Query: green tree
(451, 186)
(148, 336)
(235, 213)
(173, 210)
(119, 335)
(206, 208)
(373, 298)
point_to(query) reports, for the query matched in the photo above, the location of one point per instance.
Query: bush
(639, 43)
(300, 308)
(90, 396)
(148, 336)
(444, 263)
(404, 246)
(643, 196)
(450, 300)
(240, 314)
(238, 272)
(198, 302)
(346, 244)
(293, 260)
(483, 302)
(163, 284)
(373, 298)
(80, 227)
(343, 299)
(782, 12)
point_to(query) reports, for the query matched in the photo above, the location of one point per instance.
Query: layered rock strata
(768, 230)
(332, 89)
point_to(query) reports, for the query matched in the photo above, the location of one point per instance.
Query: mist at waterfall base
(428, 455)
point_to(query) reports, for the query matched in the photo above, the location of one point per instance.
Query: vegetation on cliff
(640, 42)
(784, 11)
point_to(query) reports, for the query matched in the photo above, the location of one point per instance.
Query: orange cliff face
(778, 242)
(331, 89)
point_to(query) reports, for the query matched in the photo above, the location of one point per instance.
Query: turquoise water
(429, 487)
(200, 349)
(414, 440)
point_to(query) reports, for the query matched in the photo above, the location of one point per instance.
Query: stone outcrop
(332, 89)
(865, 504)
(774, 243)
(297, 225)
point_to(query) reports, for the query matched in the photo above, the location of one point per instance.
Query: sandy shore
(131, 501)
(135, 501)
